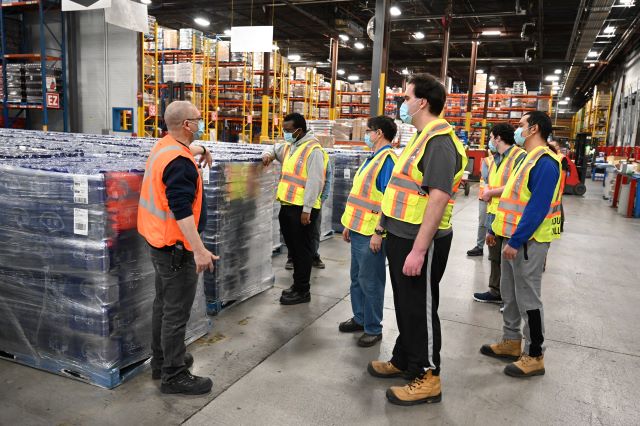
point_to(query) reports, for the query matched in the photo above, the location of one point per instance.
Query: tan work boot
(506, 349)
(383, 369)
(526, 366)
(425, 389)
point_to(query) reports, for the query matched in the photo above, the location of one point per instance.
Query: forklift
(574, 184)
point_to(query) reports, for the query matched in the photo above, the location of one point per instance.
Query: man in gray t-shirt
(418, 252)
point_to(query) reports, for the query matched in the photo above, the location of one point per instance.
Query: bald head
(177, 112)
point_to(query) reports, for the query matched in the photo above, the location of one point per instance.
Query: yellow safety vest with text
(293, 179)
(404, 199)
(362, 212)
(516, 195)
(498, 176)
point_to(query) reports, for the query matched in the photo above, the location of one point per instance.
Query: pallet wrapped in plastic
(239, 194)
(76, 281)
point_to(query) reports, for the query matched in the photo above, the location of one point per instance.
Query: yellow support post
(142, 91)
(382, 98)
(467, 124)
(156, 82)
(483, 133)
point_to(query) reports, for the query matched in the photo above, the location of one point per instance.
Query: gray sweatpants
(482, 223)
(521, 291)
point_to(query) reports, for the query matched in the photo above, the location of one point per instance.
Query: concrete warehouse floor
(276, 365)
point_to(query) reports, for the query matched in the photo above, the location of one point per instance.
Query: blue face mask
(518, 137)
(288, 137)
(367, 140)
(404, 113)
(198, 133)
(492, 147)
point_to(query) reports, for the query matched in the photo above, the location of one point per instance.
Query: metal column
(445, 48)
(266, 69)
(5, 106)
(334, 79)
(486, 107)
(472, 75)
(380, 55)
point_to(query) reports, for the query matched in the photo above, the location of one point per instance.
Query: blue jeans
(368, 276)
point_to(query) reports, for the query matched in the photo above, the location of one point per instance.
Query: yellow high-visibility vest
(516, 195)
(362, 212)
(404, 199)
(498, 176)
(294, 174)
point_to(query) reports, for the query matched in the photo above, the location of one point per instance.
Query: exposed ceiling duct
(598, 12)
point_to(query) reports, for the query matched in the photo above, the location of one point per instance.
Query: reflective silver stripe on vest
(400, 201)
(514, 207)
(356, 221)
(294, 180)
(150, 205)
(368, 180)
(367, 205)
(406, 184)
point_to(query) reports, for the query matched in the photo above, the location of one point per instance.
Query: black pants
(316, 238)
(495, 257)
(175, 292)
(300, 243)
(416, 301)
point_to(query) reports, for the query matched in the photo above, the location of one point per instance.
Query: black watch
(381, 232)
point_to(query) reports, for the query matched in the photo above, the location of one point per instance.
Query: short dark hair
(298, 121)
(505, 131)
(428, 87)
(542, 120)
(384, 123)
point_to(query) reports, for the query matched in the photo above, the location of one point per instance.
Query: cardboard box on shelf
(326, 141)
(170, 39)
(346, 99)
(223, 51)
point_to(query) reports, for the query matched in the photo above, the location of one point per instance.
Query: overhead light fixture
(293, 58)
(395, 11)
(558, 71)
(551, 78)
(341, 72)
(563, 103)
(202, 22)
(353, 78)
(145, 1)
(358, 45)
(344, 37)
(592, 54)
(405, 72)
(492, 32)
(627, 3)
(479, 71)
(227, 32)
(609, 30)
(419, 35)
(592, 65)
(492, 77)
(567, 98)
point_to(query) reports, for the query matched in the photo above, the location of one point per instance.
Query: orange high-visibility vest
(499, 175)
(156, 222)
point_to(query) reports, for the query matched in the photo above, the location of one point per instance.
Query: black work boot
(187, 384)
(295, 297)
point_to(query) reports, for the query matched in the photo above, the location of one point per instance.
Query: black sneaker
(295, 297)
(289, 265)
(487, 297)
(156, 374)
(368, 340)
(187, 384)
(476, 251)
(350, 326)
(318, 263)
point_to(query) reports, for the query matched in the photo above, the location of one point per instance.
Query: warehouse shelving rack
(47, 58)
(272, 104)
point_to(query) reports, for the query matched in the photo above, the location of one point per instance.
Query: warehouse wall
(106, 61)
(624, 129)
